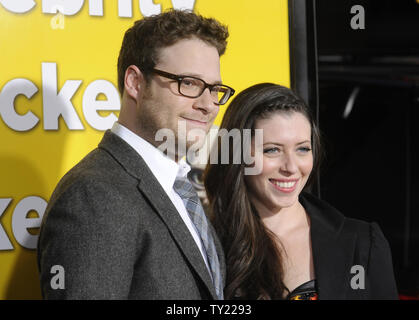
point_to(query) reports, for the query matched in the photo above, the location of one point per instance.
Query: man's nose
(205, 102)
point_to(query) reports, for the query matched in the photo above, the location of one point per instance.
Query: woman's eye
(195, 175)
(270, 150)
(304, 149)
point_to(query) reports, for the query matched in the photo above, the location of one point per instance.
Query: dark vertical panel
(370, 171)
(303, 55)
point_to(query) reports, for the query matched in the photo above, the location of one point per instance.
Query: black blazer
(339, 243)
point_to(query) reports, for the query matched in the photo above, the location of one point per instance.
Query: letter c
(8, 95)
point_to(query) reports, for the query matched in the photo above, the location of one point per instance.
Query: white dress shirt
(165, 171)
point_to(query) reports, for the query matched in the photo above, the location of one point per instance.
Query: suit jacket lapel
(333, 250)
(152, 190)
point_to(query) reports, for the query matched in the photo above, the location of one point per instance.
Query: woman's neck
(284, 220)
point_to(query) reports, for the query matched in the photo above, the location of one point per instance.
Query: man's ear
(134, 80)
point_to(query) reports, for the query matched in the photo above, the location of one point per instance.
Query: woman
(281, 242)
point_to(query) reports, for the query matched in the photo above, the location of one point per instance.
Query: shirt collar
(164, 168)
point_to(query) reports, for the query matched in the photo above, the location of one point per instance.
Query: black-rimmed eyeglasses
(193, 87)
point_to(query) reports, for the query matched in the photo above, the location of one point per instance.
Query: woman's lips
(286, 186)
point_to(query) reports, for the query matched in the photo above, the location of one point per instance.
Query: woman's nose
(289, 163)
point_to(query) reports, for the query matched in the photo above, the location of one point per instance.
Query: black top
(306, 291)
(352, 258)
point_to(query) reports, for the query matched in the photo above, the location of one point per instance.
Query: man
(118, 224)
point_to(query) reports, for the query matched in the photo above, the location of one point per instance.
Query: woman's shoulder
(340, 243)
(323, 212)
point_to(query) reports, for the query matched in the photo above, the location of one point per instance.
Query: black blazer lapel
(150, 188)
(333, 250)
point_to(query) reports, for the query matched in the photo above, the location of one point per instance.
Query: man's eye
(189, 82)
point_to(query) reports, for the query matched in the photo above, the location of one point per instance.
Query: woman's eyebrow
(280, 144)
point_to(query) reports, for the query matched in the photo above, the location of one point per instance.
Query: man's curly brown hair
(143, 40)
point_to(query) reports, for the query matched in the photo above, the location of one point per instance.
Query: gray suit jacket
(117, 235)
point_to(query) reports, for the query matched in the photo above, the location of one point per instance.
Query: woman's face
(286, 160)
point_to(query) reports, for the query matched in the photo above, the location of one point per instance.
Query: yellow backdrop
(57, 69)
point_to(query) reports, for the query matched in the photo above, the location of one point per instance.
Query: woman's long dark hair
(253, 257)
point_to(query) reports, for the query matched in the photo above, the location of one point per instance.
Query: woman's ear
(133, 81)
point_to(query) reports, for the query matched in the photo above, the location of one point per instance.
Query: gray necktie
(193, 205)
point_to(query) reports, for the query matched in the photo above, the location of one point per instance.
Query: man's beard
(150, 124)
